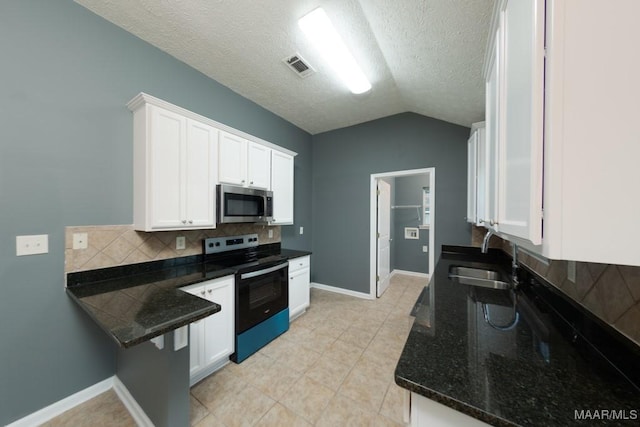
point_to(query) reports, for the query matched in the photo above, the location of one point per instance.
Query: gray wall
(66, 159)
(343, 161)
(407, 253)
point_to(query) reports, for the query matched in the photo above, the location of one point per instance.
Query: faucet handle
(492, 222)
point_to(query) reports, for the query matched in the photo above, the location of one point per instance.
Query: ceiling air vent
(299, 65)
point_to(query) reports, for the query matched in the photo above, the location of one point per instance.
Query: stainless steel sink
(478, 277)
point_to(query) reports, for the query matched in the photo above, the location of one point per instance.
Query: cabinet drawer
(299, 263)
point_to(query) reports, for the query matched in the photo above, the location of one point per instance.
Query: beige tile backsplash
(112, 245)
(611, 292)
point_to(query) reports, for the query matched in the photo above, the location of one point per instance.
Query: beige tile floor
(334, 367)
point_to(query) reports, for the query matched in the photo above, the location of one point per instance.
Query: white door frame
(373, 220)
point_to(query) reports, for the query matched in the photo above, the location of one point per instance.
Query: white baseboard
(137, 413)
(409, 273)
(341, 291)
(45, 414)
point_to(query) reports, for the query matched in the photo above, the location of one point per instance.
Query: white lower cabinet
(299, 280)
(428, 413)
(211, 339)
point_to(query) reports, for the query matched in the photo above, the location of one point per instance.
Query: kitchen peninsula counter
(137, 302)
(529, 367)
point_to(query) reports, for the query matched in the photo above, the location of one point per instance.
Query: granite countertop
(534, 369)
(138, 302)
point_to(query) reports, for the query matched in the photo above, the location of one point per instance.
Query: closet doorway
(402, 224)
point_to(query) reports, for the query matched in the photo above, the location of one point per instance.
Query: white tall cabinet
(174, 170)
(211, 340)
(562, 102)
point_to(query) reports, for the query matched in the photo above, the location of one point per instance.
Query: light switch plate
(425, 248)
(301, 230)
(271, 234)
(32, 245)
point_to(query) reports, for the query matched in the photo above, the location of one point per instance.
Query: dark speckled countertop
(536, 373)
(137, 302)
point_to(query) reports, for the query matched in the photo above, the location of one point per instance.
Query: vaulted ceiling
(423, 56)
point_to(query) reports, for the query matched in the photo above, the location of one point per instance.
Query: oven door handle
(262, 272)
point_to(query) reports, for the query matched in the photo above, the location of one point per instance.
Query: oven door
(261, 294)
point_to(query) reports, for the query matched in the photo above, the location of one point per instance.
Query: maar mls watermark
(605, 414)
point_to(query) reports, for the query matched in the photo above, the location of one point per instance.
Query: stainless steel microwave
(239, 204)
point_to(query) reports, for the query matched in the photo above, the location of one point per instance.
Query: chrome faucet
(514, 265)
(485, 241)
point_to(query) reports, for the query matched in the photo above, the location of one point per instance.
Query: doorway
(402, 225)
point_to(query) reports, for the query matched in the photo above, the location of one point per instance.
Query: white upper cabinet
(562, 103)
(174, 170)
(180, 157)
(232, 159)
(520, 122)
(244, 163)
(282, 187)
(258, 166)
(472, 175)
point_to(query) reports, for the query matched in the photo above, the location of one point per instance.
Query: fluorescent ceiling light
(319, 30)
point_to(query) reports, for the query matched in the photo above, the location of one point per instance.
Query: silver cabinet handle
(202, 293)
(251, 182)
(184, 221)
(210, 290)
(481, 221)
(190, 221)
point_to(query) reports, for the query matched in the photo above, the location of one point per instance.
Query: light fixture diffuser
(319, 30)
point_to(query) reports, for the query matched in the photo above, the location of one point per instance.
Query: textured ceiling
(423, 56)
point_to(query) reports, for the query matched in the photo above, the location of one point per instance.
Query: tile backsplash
(610, 292)
(112, 245)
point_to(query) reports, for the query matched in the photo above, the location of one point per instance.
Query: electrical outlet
(180, 242)
(301, 230)
(271, 234)
(32, 245)
(80, 241)
(425, 248)
(571, 271)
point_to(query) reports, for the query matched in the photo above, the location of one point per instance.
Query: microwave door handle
(262, 272)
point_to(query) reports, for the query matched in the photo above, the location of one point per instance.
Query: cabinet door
(282, 187)
(488, 213)
(520, 122)
(298, 291)
(219, 327)
(200, 175)
(166, 145)
(481, 176)
(472, 162)
(258, 166)
(232, 159)
(196, 335)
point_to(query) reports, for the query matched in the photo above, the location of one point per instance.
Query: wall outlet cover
(571, 271)
(180, 242)
(270, 234)
(425, 248)
(80, 240)
(301, 230)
